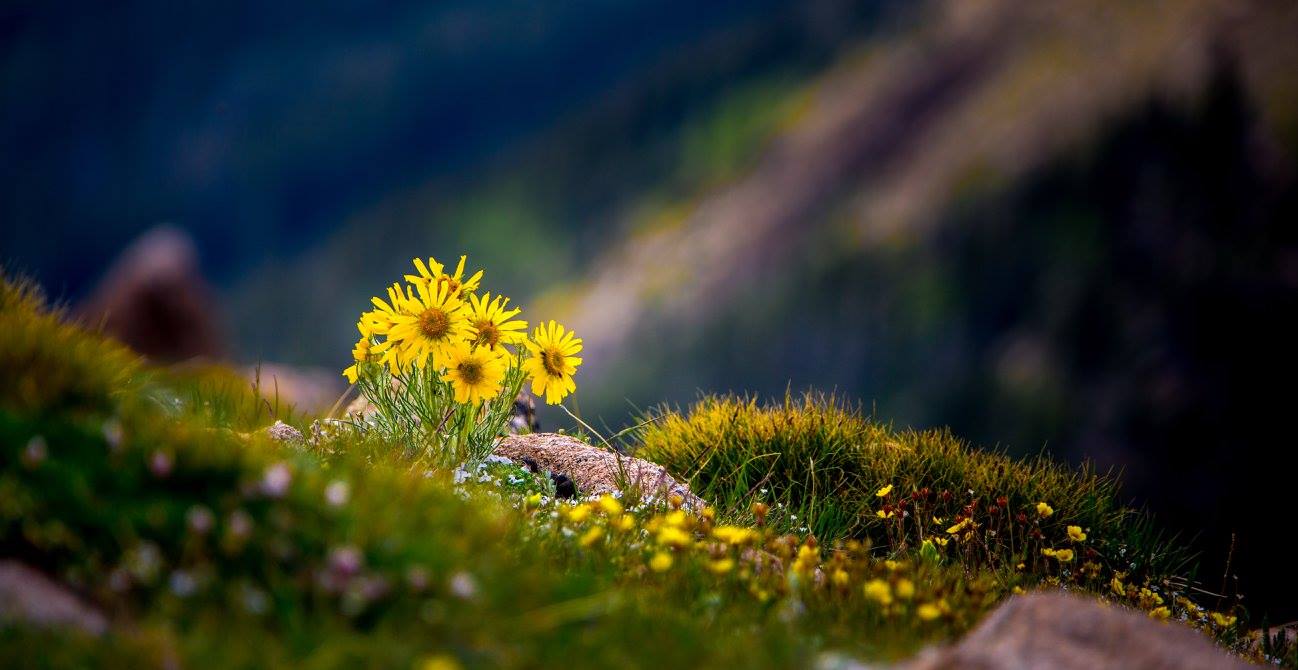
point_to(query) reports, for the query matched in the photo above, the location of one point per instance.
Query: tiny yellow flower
(1161, 613)
(878, 590)
(592, 536)
(893, 566)
(959, 527)
(883, 492)
(675, 519)
(928, 612)
(1044, 510)
(1061, 555)
(1075, 534)
(533, 501)
(940, 541)
(661, 562)
(1017, 590)
(1223, 620)
(610, 505)
(721, 566)
(885, 515)
(808, 559)
(840, 577)
(671, 536)
(735, 535)
(625, 523)
(439, 662)
(1118, 589)
(578, 514)
(905, 589)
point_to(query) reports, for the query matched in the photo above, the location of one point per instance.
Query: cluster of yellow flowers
(438, 321)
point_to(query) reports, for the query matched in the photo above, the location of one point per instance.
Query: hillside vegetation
(152, 494)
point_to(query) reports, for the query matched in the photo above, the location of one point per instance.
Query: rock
(154, 299)
(29, 597)
(1066, 632)
(282, 432)
(595, 471)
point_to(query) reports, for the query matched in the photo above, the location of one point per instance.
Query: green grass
(150, 494)
(822, 462)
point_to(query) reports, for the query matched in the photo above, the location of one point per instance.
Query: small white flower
(274, 483)
(337, 493)
(463, 585)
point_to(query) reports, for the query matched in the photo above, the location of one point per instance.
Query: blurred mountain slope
(1062, 224)
(986, 93)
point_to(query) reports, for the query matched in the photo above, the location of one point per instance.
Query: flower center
(434, 323)
(488, 334)
(552, 361)
(470, 372)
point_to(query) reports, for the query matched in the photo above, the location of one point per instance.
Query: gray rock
(1066, 632)
(29, 597)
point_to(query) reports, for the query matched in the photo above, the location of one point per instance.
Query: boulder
(31, 598)
(595, 471)
(154, 299)
(1067, 632)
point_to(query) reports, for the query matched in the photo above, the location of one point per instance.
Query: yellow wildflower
(905, 589)
(885, 515)
(1075, 534)
(625, 523)
(533, 500)
(360, 354)
(1161, 613)
(591, 536)
(1044, 510)
(807, 561)
(959, 526)
(878, 590)
(578, 514)
(883, 492)
(671, 536)
(490, 320)
(721, 566)
(475, 374)
(661, 562)
(553, 361)
(840, 577)
(427, 325)
(1223, 620)
(439, 662)
(928, 612)
(610, 505)
(435, 272)
(1149, 599)
(1061, 555)
(675, 518)
(1118, 589)
(736, 535)
(939, 541)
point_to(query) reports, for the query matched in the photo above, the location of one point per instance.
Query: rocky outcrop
(595, 471)
(155, 300)
(29, 597)
(1065, 632)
